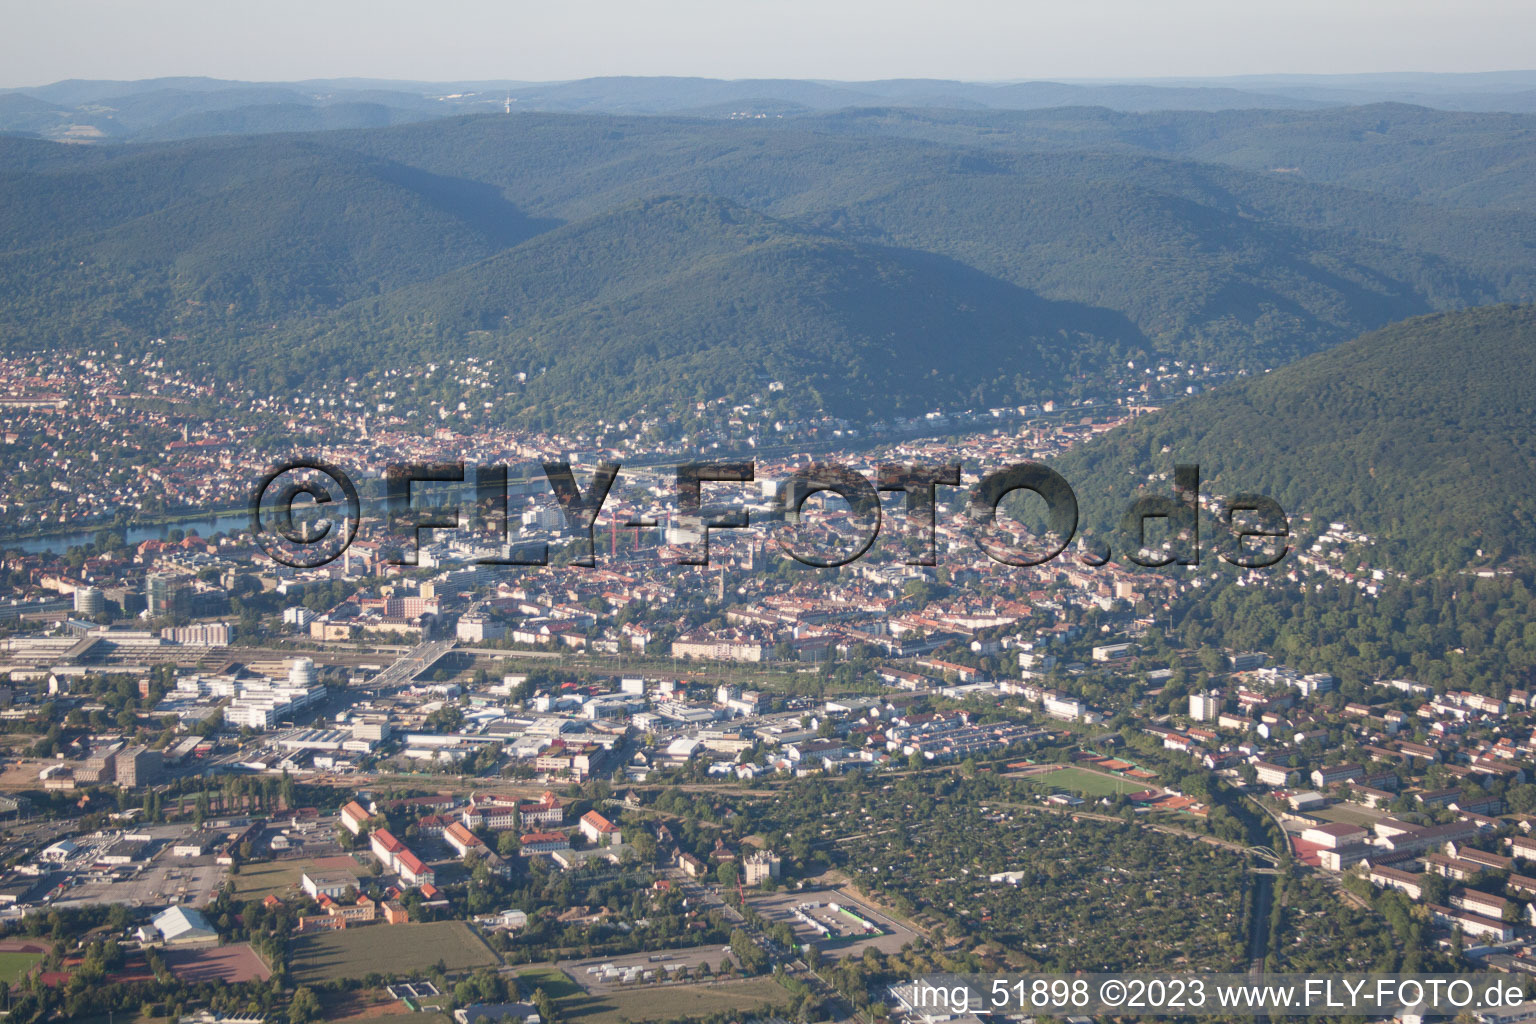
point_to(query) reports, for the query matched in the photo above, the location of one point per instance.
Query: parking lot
(660, 967)
(165, 880)
(835, 932)
(162, 879)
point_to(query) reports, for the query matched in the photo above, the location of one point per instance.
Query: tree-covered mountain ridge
(690, 297)
(619, 256)
(1419, 434)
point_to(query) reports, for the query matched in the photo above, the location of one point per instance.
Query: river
(60, 542)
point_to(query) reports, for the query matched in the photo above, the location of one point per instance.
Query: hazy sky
(840, 39)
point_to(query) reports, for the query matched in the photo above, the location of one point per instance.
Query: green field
(666, 1002)
(1086, 783)
(555, 982)
(14, 965)
(275, 878)
(399, 950)
(257, 881)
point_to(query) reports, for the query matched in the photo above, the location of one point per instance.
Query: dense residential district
(652, 790)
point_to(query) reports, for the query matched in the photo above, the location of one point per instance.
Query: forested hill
(1419, 434)
(685, 298)
(803, 248)
(1394, 148)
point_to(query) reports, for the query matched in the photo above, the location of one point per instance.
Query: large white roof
(183, 923)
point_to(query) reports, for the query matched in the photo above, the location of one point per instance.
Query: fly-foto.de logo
(1252, 528)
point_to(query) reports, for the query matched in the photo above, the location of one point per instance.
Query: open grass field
(555, 982)
(14, 965)
(281, 877)
(396, 949)
(257, 881)
(1087, 784)
(666, 1002)
(22, 774)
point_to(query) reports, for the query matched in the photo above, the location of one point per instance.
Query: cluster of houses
(1415, 805)
(1485, 894)
(538, 825)
(342, 905)
(541, 830)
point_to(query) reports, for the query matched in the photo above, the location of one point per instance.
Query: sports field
(391, 949)
(231, 964)
(14, 965)
(668, 1002)
(1086, 783)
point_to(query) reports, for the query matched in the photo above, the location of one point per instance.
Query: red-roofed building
(599, 830)
(490, 812)
(396, 856)
(548, 812)
(462, 839)
(412, 870)
(543, 842)
(353, 818)
(361, 912)
(433, 824)
(385, 847)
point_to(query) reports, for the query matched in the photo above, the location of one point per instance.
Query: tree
(748, 953)
(1522, 798)
(304, 1007)
(546, 1006)
(1210, 660)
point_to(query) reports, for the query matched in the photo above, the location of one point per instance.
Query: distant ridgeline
(162, 109)
(877, 261)
(1419, 435)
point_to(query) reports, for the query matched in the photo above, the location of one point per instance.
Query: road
(409, 665)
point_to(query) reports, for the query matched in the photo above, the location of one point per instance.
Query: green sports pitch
(14, 965)
(1087, 784)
